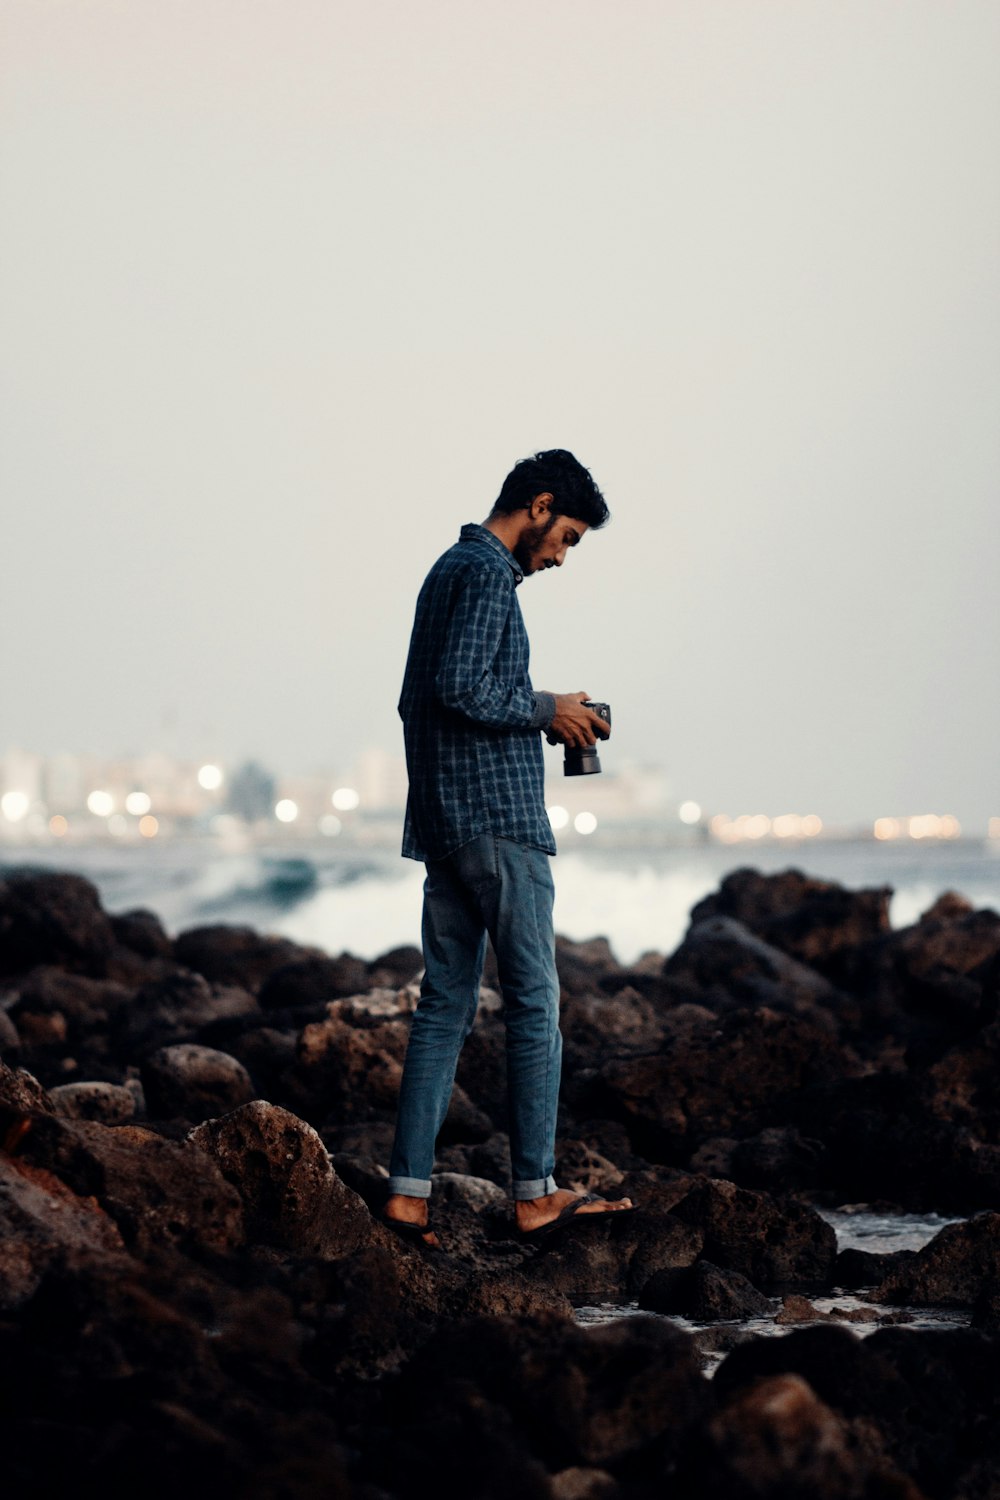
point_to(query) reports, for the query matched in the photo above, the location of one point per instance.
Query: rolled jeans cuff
(410, 1187)
(541, 1187)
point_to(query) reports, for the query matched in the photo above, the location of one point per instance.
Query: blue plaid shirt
(471, 720)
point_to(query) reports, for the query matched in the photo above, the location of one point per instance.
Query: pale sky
(288, 287)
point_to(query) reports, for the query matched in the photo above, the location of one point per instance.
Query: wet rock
(591, 1260)
(705, 1294)
(815, 921)
(142, 932)
(313, 981)
(767, 1240)
(779, 1438)
(42, 1223)
(49, 918)
(158, 1192)
(952, 1271)
(193, 1083)
(237, 956)
(292, 1198)
(746, 1074)
(172, 1010)
(109, 1103)
(798, 1309)
(863, 1268)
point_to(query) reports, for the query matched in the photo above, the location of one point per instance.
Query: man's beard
(529, 542)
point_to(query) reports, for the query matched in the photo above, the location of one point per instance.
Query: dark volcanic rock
(21, 1092)
(952, 1271)
(705, 1294)
(345, 1072)
(399, 966)
(543, 1388)
(313, 981)
(59, 1013)
(771, 1242)
(173, 1010)
(779, 1160)
(143, 932)
(193, 1083)
(856, 1268)
(48, 918)
(722, 963)
(236, 955)
(814, 921)
(741, 1076)
(110, 1103)
(159, 1192)
(42, 1223)
(292, 1198)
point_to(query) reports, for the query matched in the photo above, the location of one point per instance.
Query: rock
(748, 1073)
(458, 1187)
(110, 1103)
(193, 1083)
(585, 1170)
(986, 1310)
(397, 967)
(798, 1309)
(705, 1294)
(778, 1438)
(863, 1268)
(50, 918)
(10, 1041)
(236, 956)
(313, 981)
(143, 932)
(342, 1072)
(158, 1192)
(41, 1224)
(584, 1484)
(722, 962)
(779, 1160)
(769, 1241)
(21, 1093)
(56, 1012)
(815, 921)
(175, 1009)
(952, 1270)
(664, 1246)
(584, 966)
(292, 1198)
(464, 1120)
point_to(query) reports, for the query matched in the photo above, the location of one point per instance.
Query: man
(476, 816)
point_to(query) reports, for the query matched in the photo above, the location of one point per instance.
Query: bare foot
(532, 1213)
(410, 1211)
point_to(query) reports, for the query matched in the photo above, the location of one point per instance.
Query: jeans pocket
(477, 863)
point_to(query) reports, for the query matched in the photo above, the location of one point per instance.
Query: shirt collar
(473, 532)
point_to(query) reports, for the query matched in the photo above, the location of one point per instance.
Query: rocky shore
(195, 1292)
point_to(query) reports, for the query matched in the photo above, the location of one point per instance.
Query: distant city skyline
(287, 290)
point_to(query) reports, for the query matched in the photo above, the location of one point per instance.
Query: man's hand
(573, 724)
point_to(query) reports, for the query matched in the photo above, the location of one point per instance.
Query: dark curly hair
(557, 473)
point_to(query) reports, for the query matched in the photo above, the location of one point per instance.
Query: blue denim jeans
(497, 887)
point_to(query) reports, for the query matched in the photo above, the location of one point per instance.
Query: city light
(101, 804)
(345, 799)
(14, 806)
(58, 825)
(689, 812)
(210, 778)
(993, 828)
(286, 811)
(887, 828)
(558, 816)
(585, 822)
(812, 825)
(330, 825)
(137, 803)
(148, 826)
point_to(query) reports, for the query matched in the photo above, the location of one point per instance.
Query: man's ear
(540, 506)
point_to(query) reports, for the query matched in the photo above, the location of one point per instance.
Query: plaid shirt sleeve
(466, 680)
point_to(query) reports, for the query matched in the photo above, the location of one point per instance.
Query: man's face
(545, 544)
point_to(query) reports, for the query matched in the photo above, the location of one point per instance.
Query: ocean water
(367, 901)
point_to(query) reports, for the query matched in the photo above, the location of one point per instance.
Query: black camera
(583, 760)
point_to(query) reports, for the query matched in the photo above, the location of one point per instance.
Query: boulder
(952, 1270)
(190, 1082)
(313, 981)
(771, 1241)
(59, 1013)
(237, 956)
(52, 918)
(175, 1009)
(109, 1103)
(344, 1072)
(706, 1294)
(21, 1093)
(160, 1193)
(43, 1223)
(292, 1198)
(142, 932)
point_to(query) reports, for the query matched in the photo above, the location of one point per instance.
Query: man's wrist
(545, 710)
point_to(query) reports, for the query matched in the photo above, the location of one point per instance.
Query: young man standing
(476, 816)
